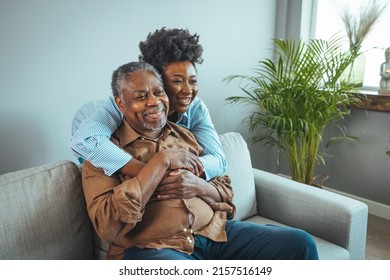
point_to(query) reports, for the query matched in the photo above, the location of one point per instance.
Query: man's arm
(218, 192)
(115, 207)
(183, 184)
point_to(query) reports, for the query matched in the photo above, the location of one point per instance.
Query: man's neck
(149, 134)
(153, 135)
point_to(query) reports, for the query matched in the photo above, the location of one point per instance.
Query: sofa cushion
(43, 214)
(239, 168)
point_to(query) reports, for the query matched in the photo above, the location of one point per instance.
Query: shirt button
(184, 229)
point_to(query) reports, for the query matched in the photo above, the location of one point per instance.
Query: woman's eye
(177, 81)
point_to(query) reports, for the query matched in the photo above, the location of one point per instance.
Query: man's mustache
(155, 110)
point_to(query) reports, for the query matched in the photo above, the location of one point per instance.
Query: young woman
(175, 53)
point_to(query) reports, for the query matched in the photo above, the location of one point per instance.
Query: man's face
(144, 103)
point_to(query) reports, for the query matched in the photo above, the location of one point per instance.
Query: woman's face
(181, 85)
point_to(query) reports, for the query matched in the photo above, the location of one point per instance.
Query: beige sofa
(43, 213)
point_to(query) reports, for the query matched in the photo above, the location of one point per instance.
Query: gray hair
(119, 74)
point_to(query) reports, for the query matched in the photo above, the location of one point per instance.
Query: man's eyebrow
(142, 91)
(138, 92)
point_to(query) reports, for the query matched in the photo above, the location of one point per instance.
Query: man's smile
(154, 115)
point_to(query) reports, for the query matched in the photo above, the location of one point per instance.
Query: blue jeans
(246, 241)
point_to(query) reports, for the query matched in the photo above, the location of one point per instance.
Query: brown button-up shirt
(113, 202)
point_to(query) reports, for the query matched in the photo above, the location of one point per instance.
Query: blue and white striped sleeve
(213, 157)
(92, 139)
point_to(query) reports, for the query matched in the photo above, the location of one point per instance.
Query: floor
(378, 238)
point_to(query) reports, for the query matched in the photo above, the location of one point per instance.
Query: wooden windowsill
(373, 101)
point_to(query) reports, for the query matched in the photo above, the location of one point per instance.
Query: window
(328, 23)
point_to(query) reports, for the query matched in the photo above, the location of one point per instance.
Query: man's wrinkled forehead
(141, 81)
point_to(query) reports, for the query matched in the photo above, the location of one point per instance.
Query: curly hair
(165, 46)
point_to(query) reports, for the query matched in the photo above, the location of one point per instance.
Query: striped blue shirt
(91, 140)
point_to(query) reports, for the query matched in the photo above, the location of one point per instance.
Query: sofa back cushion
(239, 168)
(43, 214)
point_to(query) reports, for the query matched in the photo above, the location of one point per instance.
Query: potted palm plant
(297, 96)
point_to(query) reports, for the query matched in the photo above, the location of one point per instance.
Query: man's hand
(182, 159)
(183, 184)
(179, 183)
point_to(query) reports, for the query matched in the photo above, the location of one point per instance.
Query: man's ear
(119, 103)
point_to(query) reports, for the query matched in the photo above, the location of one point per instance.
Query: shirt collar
(182, 118)
(125, 134)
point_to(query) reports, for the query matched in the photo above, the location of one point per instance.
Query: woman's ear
(119, 103)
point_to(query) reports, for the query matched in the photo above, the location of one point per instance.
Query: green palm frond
(296, 97)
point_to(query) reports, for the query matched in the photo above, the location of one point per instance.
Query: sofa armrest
(330, 216)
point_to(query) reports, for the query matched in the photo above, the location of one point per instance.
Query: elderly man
(166, 211)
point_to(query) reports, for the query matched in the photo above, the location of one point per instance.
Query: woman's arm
(197, 119)
(91, 141)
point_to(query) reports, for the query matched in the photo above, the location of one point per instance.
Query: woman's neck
(173, 117)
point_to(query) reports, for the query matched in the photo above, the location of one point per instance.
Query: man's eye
(193, 82)
(140, 97)
(159, 93)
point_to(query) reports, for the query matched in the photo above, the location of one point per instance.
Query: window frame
(297, 19)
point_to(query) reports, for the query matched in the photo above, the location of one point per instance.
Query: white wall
(362, 168)
(57, 55)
